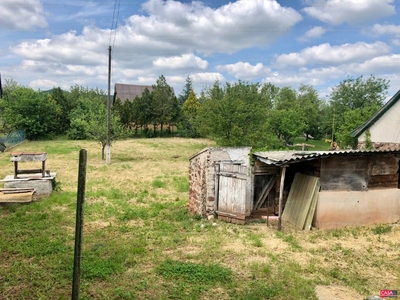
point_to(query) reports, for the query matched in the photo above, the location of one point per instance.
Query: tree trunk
(103, 146)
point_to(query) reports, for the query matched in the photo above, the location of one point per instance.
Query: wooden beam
(283, 172)
(268, 187)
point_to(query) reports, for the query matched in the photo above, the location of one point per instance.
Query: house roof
(279, 158)
(129, 91)
(360, 129)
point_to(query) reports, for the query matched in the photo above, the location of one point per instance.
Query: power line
(112, 22)
(116, 21)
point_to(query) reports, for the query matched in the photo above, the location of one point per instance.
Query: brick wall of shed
(210, 188)
(199, 183)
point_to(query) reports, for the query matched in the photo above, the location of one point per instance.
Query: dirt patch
(92, 226)
(135, 223)
(335, 292)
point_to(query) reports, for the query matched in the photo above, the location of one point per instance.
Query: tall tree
(66, 105)
(364, 95)
(36, 113)
(351, 120)
(286, 124)
(124, 111)
(190, 110)
(89, 119)
(165, 104)
(186, 91)
(288, 119)
(311, 105)
(234, 115)
(144, 107)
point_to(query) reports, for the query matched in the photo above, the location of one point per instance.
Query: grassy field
(139, 241)
(319, 145)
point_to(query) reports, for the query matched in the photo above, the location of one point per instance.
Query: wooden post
(79, 224)
(283, 172)
(108, 145)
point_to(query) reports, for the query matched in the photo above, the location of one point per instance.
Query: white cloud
(396, 42)
(67, 48)
(160, 41)
(200, 80)
(43, 84)
(21, 14)
(244, 70)
(349, 11)
(313, 33)
(377, 65)
(179, 62)
(207, 77)
(195, 26)
(314, 76)
(393, 30)
(325, 54)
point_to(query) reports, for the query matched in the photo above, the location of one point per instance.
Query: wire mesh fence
(11, 139)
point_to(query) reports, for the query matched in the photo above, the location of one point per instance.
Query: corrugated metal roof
(129, 91)
(279, 158)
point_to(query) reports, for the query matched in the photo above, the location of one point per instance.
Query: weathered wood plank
(383, 181)
(384, 164)
(232, 190)
(28, 156)
(344, 173)
(265, 192)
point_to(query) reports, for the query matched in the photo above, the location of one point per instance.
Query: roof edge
(360, 129)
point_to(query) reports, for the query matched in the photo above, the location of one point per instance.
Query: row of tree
(237, 114)
(253, 114)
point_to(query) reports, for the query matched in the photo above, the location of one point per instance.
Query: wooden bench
(29, 156)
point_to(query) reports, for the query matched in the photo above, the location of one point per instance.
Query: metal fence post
(79, 224)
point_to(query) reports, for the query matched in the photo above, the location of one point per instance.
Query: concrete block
(42, 187)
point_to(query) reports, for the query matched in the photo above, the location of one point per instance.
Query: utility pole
(108, 146)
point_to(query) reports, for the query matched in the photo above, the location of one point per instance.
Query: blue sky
(287, 43)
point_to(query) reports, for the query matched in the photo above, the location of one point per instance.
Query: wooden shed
(221, 183)
(356, 187)
(350, 188)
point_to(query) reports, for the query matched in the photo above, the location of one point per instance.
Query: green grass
(290, 239)
(382, 228)
(319, 145)
(140, 242)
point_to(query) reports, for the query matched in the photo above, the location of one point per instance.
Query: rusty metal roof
(278, 158)
(130, 91)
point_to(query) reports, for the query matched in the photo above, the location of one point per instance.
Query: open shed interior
(346, 171)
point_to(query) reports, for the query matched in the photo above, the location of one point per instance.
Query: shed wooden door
(231, 191)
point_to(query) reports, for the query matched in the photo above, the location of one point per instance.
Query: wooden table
(29, 156)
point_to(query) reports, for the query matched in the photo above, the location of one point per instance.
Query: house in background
(130, 91)
(383, 127)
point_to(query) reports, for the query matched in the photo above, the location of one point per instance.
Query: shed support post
(216, 194)
(283, 172)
